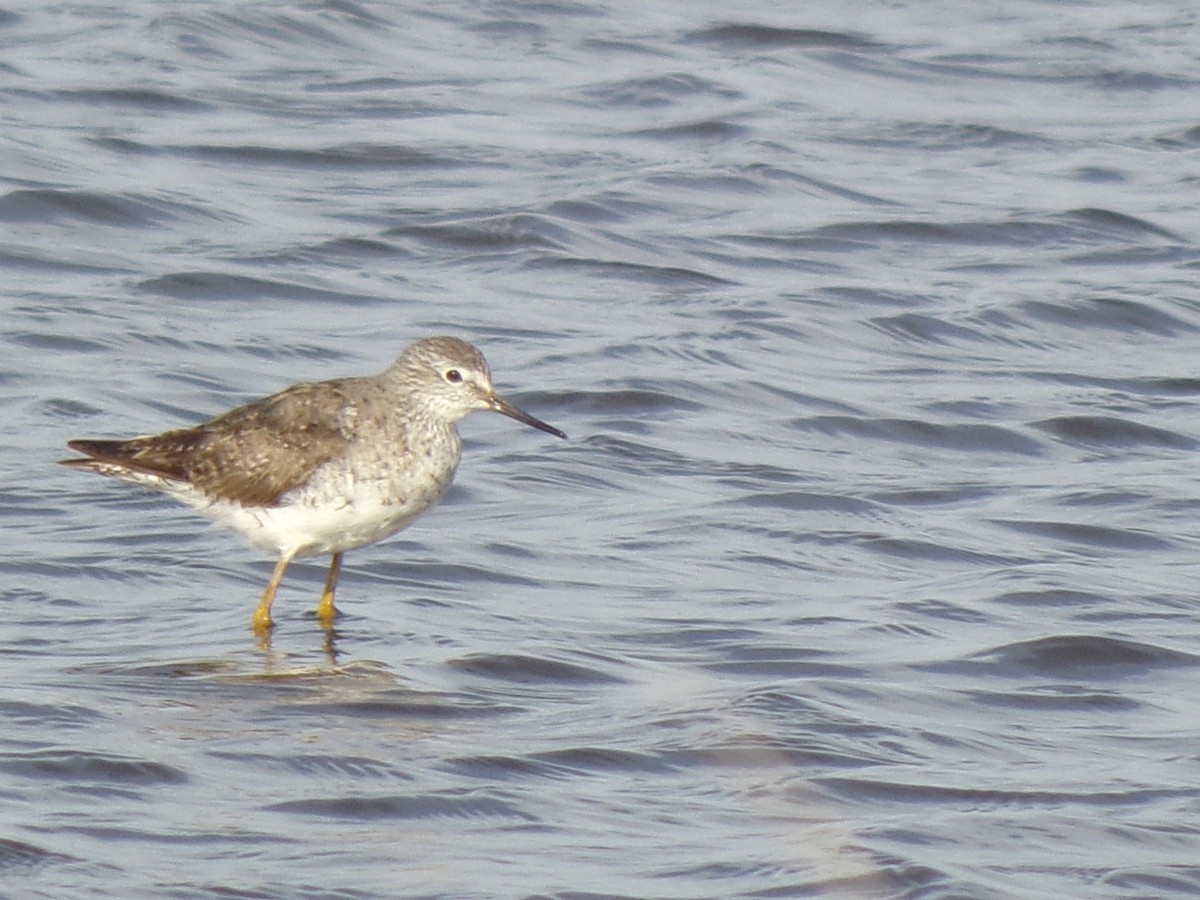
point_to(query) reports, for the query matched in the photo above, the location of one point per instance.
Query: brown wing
(252, 454)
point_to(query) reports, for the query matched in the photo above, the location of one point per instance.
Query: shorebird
(321, 467)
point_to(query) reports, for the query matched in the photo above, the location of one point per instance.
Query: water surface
(868, 571)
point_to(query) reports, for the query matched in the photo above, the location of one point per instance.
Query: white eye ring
(453, 376)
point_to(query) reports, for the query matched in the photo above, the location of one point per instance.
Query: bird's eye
(453, 376)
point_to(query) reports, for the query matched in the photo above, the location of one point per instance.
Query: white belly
(300, 530)
(326, 516)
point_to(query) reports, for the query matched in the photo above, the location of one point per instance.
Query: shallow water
(868, 571)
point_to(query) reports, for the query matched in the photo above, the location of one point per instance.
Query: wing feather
(253, 454)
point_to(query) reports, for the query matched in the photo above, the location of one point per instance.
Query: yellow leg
(325, 608)
(262, 615)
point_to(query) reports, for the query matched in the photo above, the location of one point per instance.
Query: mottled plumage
(252, 454)
(322, 467)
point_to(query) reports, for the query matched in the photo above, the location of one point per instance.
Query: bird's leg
(262, 615)
(325, 608)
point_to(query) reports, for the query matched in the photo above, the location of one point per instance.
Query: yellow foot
(326, 611)
(262, 613)
(261, 623)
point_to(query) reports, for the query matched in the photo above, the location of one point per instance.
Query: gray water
(870, 568)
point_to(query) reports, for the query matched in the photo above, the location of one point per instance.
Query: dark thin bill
(503, 406)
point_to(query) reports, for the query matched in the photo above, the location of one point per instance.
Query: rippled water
(870, 567)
